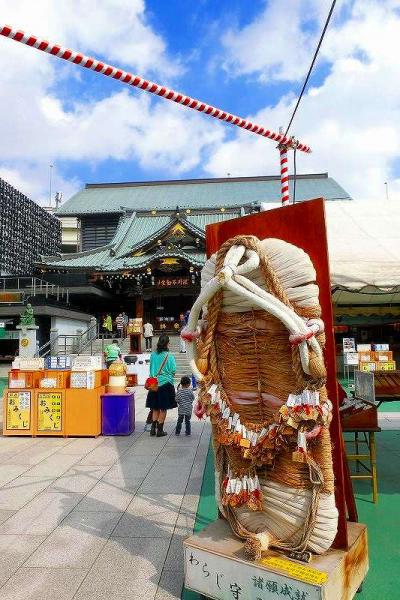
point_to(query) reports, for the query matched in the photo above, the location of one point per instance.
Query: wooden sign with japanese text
(171, 282)
(49, 411)
(221, 578)
(18, 410)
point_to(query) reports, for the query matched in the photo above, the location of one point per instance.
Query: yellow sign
(297, 571)
(19, 410)
(49, 411)
(24, 342)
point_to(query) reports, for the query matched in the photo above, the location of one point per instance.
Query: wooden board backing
(304, 226)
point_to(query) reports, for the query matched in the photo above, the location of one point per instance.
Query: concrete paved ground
(98, 518)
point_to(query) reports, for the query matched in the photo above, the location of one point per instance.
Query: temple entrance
(164, 307)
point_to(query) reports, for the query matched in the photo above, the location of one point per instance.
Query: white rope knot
(314, 327)
(227, 273)
(239, 261)
(297, 338)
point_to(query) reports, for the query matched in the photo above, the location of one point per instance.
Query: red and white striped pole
(149, 86)
(285, 196)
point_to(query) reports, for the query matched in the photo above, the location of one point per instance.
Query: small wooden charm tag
(298, 456)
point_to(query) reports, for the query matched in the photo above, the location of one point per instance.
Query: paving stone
(150, 515)
(147, 445)
(174, 560)
(42, 514)
(32, 455)
(130, 468)
(80, 479)
(105, 497)
(195, 481)
(77, 542)
(130, 484)
(170, 585)
(17, 493)
(54, 442)
(14, 550)
(103, 455)
(136, 554)
(161, 481)
(173, 452)
(10, 472)
(16, 444)
(43, 584)
(190, 503)
(82, 446)
(185, 524)
(6, 514)
(121, 443)
(184, 440)
(136, 565)
(54, 466)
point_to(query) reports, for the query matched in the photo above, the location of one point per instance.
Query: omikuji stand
(118, 414)
(83, 412)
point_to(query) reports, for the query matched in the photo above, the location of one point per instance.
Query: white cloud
(34, 181)
(277, 45)
(118, 29)
(350, 120)
(39, 127)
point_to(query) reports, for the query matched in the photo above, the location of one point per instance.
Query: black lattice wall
(26, 231)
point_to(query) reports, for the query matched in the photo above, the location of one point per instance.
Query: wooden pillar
(139, 307)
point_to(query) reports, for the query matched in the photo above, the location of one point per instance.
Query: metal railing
(70, 343)
(34, 286)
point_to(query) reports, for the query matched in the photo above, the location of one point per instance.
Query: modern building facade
(26, 231)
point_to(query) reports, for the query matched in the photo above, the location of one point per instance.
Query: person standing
(182, 343)
(107, 325)
(119, 323)
(148, 335)
(184, 400)
(112, 352)
(126, 321)
(162, 366)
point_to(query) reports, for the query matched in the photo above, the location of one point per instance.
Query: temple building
(142, 245)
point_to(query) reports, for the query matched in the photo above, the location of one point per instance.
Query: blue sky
(249, 58)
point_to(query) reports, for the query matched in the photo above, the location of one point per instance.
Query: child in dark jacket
(184, 398)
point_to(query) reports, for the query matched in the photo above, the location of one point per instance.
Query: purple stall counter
(118, 414)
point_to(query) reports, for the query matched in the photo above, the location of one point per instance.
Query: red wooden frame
(304, 226)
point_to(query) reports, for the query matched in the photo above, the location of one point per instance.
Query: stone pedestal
(27, 340)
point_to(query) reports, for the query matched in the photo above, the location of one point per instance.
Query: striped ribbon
(149, 86)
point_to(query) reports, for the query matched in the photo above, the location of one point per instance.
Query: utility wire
(312, 65)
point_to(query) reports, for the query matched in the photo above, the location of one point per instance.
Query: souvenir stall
(63, 395)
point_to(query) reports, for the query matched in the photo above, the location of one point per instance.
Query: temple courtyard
(87, 518)
(98, 518)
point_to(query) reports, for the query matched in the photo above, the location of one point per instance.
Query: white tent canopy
(364, 244)
(364, 251)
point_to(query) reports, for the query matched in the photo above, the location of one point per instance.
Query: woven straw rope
(216, 354)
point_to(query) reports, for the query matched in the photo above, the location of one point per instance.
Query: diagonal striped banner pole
(158, 90)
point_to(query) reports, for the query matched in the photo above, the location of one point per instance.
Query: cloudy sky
(249, 58)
